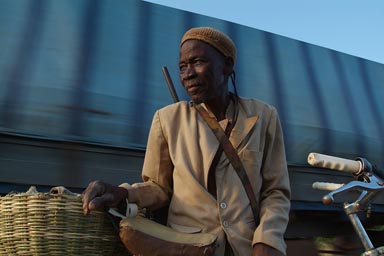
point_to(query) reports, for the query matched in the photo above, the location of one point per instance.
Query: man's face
(202, 71)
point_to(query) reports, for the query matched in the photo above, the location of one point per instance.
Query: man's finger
(93, 190)
(101, 202)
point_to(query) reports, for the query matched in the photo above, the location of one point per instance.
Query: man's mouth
(193, 88)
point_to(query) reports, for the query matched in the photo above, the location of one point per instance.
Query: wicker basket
(54, 224)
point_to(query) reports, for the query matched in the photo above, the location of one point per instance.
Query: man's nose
(188, 72)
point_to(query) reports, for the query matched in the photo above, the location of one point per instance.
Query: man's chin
(196, 99)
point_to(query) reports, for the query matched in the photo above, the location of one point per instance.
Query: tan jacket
(179, 152)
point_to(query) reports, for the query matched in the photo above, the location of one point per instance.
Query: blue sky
(354, 27)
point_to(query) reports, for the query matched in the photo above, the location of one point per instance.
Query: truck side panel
(80, 81)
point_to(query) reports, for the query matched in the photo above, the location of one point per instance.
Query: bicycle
(369, 182)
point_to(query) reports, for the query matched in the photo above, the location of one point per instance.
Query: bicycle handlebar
(327, 185)
(335, 163)
(370, 181)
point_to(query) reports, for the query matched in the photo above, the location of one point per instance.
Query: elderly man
(185, 168)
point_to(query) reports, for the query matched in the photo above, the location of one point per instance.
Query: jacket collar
(243, 127)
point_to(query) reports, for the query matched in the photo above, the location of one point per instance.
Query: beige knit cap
(213, 37)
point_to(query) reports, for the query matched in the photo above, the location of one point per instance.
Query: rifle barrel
(170, 84)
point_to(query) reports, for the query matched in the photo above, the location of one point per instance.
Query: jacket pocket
(251, 157)
(252, 161)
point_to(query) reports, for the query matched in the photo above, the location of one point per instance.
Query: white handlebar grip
(326, 185)
(335, 163)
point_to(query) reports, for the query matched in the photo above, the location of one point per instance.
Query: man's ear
(228, 68)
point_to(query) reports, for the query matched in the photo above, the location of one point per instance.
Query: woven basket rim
(44, 221)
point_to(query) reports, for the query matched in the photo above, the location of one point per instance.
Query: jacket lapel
(242, 128)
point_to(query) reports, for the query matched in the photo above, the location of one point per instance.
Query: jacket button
(223, 205)
(225, 224)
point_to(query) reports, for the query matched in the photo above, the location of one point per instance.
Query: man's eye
(182, 68)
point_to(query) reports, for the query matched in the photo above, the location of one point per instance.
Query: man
(182, 149)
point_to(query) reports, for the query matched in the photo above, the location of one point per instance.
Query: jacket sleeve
(156, 189)
(275, 190)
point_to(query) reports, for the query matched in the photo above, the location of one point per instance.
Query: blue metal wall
(90, 70)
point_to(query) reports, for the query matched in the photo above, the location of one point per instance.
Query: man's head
(206, 60)
(213, 37)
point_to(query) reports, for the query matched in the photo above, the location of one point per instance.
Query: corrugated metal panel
(91, 71)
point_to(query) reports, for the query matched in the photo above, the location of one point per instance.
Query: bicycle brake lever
(371, 185)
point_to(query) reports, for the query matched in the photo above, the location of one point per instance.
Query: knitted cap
(213, 37)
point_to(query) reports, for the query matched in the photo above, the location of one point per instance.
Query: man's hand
(261, 249)
(99, 196)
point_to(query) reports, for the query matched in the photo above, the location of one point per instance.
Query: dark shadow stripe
(77, 126)
(81, 90)
(188, 22)
(277, 86)
(352, 110)
(143, 61)
(372, 104)
(325, 138)
(24, 58)
(233, 34)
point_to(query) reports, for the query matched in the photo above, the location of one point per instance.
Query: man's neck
(218, 107)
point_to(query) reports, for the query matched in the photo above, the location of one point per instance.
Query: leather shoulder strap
(232, 155)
